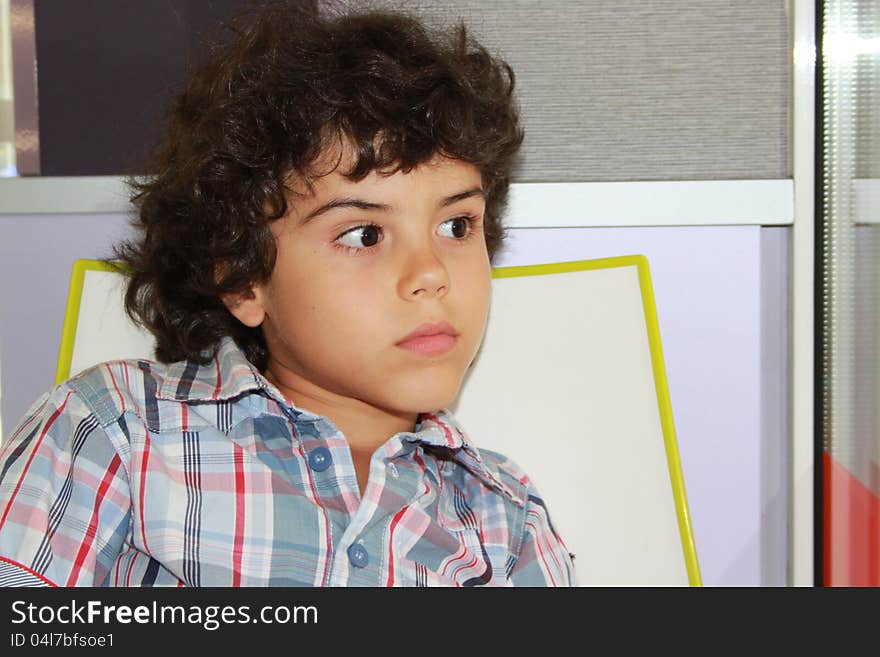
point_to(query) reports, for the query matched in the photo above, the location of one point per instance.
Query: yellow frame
(663, 401)
(80, 267)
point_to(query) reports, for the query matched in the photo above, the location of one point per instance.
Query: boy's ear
(247, 306)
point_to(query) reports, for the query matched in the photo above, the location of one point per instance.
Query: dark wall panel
(105, 69)
(625, 90)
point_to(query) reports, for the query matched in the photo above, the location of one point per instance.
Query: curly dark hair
(264, 106)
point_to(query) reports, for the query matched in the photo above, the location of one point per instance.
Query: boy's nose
(425, 277)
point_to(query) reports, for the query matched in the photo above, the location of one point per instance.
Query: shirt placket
(363, 554)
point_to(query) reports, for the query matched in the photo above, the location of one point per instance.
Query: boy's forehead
(329, 175)
(323, 180)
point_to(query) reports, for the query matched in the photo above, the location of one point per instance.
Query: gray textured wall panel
(867, 95)
(642, 90)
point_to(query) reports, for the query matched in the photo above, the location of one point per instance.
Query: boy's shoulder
(112, 388)
(152, 389)
(155, 391)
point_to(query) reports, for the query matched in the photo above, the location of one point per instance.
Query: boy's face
(362, 268)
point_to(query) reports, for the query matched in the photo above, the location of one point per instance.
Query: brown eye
(370, 235)
(361, 237)
(457, 227)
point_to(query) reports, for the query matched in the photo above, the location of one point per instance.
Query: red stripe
(445, 428)
(455, 557)
(239, 517)
(553, 555)
(130, 569)
(541, 553)
(559, 566)
(219, 381)
(394, 521)
(86, 546)
(34, 451)
(116, 388)
(30, 571)
(143, 485)
(473, 562)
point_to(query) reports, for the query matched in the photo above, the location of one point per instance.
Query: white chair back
(569, 382)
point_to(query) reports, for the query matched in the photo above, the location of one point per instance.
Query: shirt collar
(441, 430)
(229, 375)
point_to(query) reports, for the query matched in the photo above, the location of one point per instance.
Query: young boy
(313, 258)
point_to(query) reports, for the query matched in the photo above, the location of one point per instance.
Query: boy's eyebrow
(361, 204)
(345, 203)
(455, 198)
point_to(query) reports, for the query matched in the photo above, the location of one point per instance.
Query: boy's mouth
(430, 339)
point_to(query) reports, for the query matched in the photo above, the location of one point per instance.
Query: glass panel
(7, 123)
(850, 287)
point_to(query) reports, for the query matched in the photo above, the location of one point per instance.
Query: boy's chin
(425, 401)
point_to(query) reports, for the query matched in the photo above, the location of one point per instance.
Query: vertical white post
(7, 122)
(803, 268)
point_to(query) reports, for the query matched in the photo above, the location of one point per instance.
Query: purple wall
(36, 256)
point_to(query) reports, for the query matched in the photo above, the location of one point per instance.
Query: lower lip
(429, 345)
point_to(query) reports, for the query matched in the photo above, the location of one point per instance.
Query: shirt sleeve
(543, 558)
(64, 497)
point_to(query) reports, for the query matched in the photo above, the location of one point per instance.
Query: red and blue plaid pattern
(140, 474)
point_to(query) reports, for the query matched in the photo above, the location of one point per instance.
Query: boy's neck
(364, 426)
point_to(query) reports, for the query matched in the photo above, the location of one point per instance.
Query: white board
(103, 330)
(564, 385)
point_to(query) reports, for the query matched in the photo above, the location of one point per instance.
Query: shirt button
(319, 459)
(358, 556)
(393, 469)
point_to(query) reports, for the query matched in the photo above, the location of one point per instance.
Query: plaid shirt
(136, 474)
